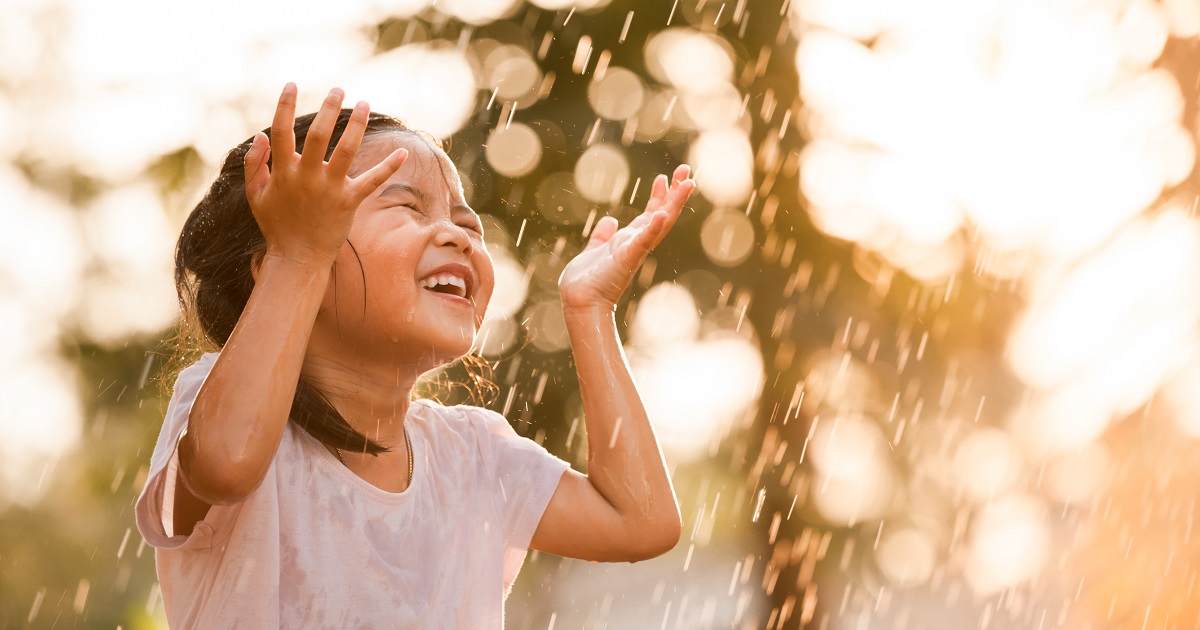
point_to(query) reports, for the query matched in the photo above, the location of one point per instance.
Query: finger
(659, 193)
(347, 147)
(673, 206)
(679, 195)
(282, 126)
(639, 246)
(256, 171)
(374, 178)
(658, 190)
(604, 230)
(316, 143)
(681, 173)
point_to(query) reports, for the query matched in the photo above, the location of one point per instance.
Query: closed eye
(410, 206)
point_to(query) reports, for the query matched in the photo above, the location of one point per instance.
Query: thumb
(604, 230)
(255, 163)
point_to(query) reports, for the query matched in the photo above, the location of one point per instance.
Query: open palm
(603, 270)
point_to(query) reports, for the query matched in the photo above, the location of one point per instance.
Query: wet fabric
(317, 546)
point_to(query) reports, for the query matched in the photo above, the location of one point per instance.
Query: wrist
(588, 321)
(298, 260)
(589, 311)
(299, 274)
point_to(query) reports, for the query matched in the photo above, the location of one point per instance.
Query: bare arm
(625, 507)
(238, 418)
(305, 207)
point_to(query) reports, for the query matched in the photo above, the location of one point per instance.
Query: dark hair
(213, 260)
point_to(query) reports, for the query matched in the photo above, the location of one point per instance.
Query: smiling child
(296, 483)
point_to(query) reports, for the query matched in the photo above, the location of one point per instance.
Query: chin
(435, 350)
(453, 352)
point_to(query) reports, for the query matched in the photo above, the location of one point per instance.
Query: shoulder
(474, 428)
(192, 376)
(460, 417)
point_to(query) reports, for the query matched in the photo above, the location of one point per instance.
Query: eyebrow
(421, 197)
(405, 189)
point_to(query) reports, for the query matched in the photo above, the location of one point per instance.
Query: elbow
(657, 539)
(213, 480)
(672, 532)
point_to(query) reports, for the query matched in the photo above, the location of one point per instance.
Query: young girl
(295, 483)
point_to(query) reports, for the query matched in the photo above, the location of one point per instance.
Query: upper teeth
(445, 278)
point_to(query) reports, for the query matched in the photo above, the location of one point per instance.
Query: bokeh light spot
(602, 173)
(906, 557)
(513, 151)
(617, 95)
(724, 165)
(727, 237)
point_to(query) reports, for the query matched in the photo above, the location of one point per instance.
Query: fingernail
(335, 93)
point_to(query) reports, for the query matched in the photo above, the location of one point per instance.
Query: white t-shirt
(316, 546)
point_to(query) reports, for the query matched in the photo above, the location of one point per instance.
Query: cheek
(389, 274)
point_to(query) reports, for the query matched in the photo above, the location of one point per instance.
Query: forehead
(427, 165)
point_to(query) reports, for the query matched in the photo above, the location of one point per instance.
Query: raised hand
(303, 204)
(598, 276)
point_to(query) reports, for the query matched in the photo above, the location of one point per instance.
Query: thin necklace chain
(407, 444)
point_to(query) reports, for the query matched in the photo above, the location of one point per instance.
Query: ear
(256, 263)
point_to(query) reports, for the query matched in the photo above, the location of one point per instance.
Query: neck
(372, 397)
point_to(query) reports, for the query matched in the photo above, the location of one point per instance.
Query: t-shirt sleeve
(154, 510)
(527, 476)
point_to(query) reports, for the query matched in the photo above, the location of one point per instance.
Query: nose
(451, 235)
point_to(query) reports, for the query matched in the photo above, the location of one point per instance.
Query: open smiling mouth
(446, 284)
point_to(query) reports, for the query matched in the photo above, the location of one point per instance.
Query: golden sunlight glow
(665, 308)
(854, 480)
(906, 557)
(512, 285)
(1033, 140)
(689, 59)
(42, 261)
(718, 107)
(131, 290)
(724, 166)
(555, 5)
(1095, 357)
(1081, 476)
(1021, 142)
(477, 11)
(431, 87)
(1008, 544)
(987, 321)
(987, 463)
(1183, 395)
(695, 386)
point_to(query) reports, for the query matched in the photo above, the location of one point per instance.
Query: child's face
(413, 230)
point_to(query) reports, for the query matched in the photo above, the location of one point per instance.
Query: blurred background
(923, 352)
